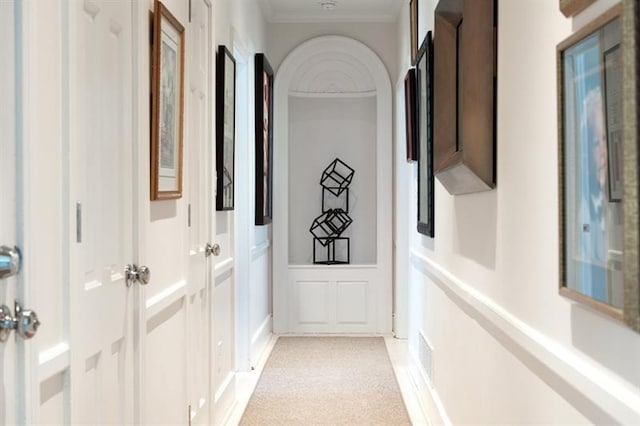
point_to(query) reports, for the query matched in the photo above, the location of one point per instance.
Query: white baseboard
(429, 399)
(225, 398)
(260, 339)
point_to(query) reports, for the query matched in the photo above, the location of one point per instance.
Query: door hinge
(189, 10)
(189, 216)
(189, 415)
(78, 223)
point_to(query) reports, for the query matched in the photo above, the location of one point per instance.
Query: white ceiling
(291, 11)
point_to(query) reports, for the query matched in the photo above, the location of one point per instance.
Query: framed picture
(410, 114)
(413, 29)
(590, 153)
(573, 7)
(424, 130)
(613, 102)
(225, 127)
(631, 96)
(167, 106)
(264, 139)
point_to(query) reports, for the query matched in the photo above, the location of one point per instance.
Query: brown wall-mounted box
(465, 52)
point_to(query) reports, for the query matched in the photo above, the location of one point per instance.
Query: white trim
(607, 393)
(225, 398)
(259, 249)
(349, 95)
(54, 360)
(165, 298)
(260, 338)
(333, 267)
(384, 154)
(430, 401)
(223, 267)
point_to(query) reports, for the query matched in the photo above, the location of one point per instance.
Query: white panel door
(8, 235)
(101, 211)
(202, 220)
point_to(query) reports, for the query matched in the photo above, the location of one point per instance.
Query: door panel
(8, 220)
(200, 200)
(101, 139)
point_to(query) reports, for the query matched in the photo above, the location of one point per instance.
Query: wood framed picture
(631, 96)
(264, 139)
(225, 128)
(590, 152)
(410, 114)
(424, 129)
(167, 106)
(573, 7)
(413, 29)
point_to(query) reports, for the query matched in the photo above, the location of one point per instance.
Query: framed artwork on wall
(464, 94)
(264, 139)
(413, 29)
(630, 97)
(410, 114)
(573, 7)
(225, 128)
(167, 106)
(590, 153)
(424, 130)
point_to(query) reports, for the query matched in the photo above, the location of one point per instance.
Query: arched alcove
(333, 73)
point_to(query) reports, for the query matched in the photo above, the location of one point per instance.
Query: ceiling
(304, 11)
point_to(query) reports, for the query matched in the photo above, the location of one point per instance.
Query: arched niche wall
(333, 66)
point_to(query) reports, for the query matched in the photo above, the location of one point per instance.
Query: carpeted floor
(327, 381)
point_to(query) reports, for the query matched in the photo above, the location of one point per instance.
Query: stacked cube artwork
(329, 226)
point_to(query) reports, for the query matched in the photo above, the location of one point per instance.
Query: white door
(199, 194)
(101, 211)
(8, 222)
(175, 307)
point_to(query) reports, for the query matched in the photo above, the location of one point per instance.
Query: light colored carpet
(327, 381)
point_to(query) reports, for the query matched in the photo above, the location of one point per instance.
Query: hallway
(397, 352)
(186, 182)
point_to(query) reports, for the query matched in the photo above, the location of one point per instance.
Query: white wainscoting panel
(351, 302)
(313, 302)
(334, 299)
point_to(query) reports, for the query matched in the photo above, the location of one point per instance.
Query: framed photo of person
(590, 126)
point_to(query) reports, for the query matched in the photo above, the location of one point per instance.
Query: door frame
(283, 295)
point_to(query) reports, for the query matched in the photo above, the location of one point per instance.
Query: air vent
(425, 355)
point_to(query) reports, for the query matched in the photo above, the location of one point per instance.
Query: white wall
(242, 305)
(321, 130)
(507, 348)
(379, 37)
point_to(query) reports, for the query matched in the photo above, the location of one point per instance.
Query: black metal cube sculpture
(329, 226)
(337, 177)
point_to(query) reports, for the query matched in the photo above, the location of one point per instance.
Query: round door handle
(212, 250)
(144, 275)
(26, 322)
(133, 273)
(6, 323)
(9, 261)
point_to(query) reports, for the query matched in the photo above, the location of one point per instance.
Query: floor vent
(425, 354)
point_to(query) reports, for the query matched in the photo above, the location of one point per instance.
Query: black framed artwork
(410, 114)
(225, 128)
(424, 129)
(264, 140)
